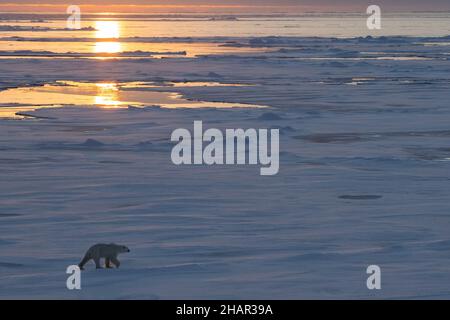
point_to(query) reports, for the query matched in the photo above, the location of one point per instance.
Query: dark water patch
(214, 75)
(284, 130)
(33, 116)
(270, 116)
(88, 145)
(86, 129)
(27, 161)
(360, 197)
(152, 146)
(114, 162)
(6, 242)
(91, 143)
(10, 265)
(430, 154)
(335, 138)
(9, 215)
(370, 136)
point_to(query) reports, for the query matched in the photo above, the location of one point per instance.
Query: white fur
(109, 252)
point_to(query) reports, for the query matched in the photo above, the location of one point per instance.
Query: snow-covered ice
(364, 176)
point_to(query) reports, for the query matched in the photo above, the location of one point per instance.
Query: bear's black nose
(128, 250)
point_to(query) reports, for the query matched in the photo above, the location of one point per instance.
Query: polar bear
(107, 251)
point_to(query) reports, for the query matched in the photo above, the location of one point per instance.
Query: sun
(107, 29)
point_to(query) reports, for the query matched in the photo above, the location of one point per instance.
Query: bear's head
(123, 249)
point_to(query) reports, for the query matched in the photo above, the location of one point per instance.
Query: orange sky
(232, 6)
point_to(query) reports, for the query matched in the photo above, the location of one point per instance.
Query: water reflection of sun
(107, 30)
(107, 95)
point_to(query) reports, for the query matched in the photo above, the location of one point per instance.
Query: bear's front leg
(116, 262)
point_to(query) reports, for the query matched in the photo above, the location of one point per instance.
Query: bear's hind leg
(116, 262)
(108, 263)
(83, 262)
(97, 263)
